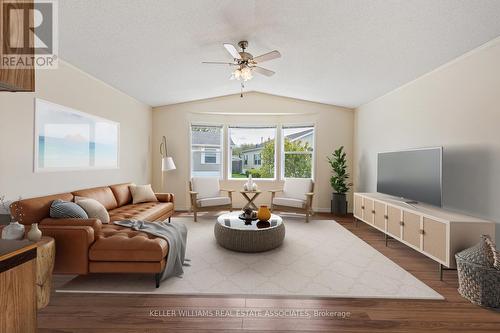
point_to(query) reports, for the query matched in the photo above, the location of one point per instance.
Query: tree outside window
(247, 151)
(298, 146)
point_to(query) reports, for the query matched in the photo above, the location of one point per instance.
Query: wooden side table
(250, 196)
(46, 253)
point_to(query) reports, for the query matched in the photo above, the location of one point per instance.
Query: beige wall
(334, 126)
(456, 106)
(71, 87)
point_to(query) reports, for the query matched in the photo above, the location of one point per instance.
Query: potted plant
(339, 183)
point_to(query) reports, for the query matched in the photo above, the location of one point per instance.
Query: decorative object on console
(338, 163)
(34, 234)
(264, 214)
(142, 193)
(4, 210)
(93, 208)
(15, 230)
(61, 209)
(478, 275)
(167, 162)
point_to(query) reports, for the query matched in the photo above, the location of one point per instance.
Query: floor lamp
(167, 162)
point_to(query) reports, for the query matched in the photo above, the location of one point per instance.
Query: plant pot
(339, 204)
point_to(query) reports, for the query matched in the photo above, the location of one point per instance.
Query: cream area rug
(317, 259)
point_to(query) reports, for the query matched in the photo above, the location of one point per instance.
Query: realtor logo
(29, 34)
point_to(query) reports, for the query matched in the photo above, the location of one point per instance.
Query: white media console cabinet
(433, 231)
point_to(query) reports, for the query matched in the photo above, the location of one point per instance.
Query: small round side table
(45, 257)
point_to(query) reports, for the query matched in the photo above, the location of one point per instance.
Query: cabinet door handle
(362, 207)
(422, 231)
(373, 211)
(401, 223)
(386, 217)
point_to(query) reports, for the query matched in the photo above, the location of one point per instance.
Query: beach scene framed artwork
(67, 139)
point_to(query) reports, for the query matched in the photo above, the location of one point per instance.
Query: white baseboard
(316, 209)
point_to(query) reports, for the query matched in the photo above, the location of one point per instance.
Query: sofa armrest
(165, 197)
(95, 224)
(72, 246)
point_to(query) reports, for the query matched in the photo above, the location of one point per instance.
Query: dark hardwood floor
(109, 313)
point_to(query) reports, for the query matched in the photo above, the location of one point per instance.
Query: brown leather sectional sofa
(88, 246)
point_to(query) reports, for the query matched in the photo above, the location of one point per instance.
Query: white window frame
(276, 128)
(283, 153)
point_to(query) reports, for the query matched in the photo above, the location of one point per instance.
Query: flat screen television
(413, 175)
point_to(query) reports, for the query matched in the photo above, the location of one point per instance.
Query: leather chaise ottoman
(124, 250)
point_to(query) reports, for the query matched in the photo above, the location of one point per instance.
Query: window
(297, 147)
(210, 156)
(206, 150)
(256, 159)
(252, 151)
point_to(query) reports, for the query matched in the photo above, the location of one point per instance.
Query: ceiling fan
(245, 63)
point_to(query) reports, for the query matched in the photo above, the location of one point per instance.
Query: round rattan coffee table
(234, 234)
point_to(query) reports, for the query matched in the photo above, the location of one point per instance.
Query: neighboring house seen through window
(206, 151)
(252, 151)
(298, 148)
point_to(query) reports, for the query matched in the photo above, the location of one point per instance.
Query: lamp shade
(167, 164)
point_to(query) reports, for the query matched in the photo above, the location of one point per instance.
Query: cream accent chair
(297, 196)
(205, 194)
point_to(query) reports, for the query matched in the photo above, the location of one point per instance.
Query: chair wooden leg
(307, 216)
(195, 215)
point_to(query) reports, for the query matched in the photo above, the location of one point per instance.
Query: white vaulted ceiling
(342, 52)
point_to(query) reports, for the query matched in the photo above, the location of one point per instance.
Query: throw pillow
(60, 209)
(142, 193)
(93, 208)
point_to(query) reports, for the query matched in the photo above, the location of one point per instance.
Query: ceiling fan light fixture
(236, 74)
(246, 73)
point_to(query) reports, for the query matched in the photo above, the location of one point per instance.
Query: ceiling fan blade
(267, 56)
(232, 50)
(263, 71)
(218, 63)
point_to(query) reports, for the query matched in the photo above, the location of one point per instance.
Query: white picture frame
(66, 139)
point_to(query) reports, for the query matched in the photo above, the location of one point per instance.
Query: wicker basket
(479, 273)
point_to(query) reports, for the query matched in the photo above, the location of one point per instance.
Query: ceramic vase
(14, 231)
(34, 234)
(264, 214)
(249, 184)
